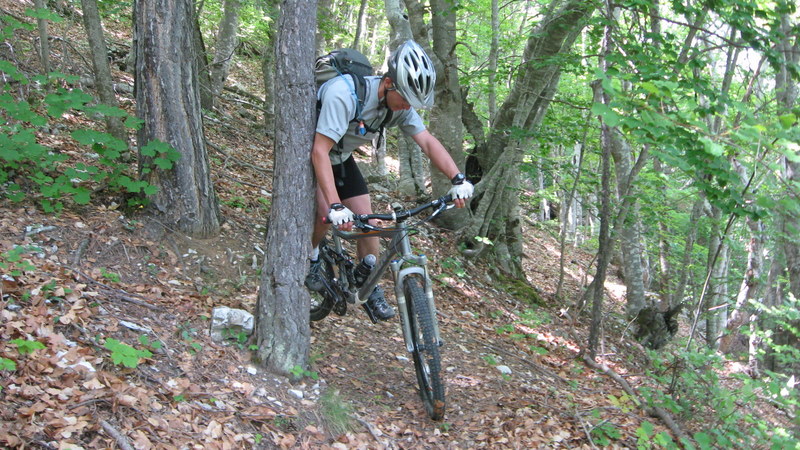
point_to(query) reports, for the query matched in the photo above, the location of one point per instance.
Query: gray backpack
(345, 61)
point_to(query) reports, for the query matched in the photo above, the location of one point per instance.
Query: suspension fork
(399, 284)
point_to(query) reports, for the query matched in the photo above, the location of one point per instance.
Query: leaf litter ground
(513, 380)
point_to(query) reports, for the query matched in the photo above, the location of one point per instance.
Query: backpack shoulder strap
(361, 94)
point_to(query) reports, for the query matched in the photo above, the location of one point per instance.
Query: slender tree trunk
(201, 58)
(742, 310)
(630, 240)
(748, 290)
(688, 248)
(225, 46)
(714, 267)
(787, 89)
(283, 330)
(102, 71)
(270, 8)
(326, 13)
(360, 22)
(566, 206)
(604, 248)
(168, 103)
(493, 55)
(523, 109)
(44, 39)
(445, 118)
(412, 170)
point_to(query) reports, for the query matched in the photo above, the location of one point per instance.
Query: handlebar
(399, 215)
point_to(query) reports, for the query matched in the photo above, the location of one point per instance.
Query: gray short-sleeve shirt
(338, 107)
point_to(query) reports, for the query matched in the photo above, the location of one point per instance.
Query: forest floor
(512, 368)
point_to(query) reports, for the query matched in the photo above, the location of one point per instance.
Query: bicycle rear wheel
(427, 360)
(322, 301)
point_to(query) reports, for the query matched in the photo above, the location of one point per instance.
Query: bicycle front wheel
(427, 360)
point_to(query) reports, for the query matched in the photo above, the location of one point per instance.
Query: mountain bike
(412, 288)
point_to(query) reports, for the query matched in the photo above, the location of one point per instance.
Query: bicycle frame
(400, 259)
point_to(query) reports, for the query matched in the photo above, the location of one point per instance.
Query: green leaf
(650, 87)
(25, 346)
(711, 147)
(703, 440)
(124, 354)
(609, 116)
(82, 196)
(43, 13)
(787, 120)
(154, 147)
(108, 111)
(12, 71)
(7, 364)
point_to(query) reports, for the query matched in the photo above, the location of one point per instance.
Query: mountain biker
(407, 86)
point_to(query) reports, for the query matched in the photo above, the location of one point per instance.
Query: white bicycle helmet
(413, 74)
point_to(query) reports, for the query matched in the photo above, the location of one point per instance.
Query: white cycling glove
(461, 187)
(339, 214)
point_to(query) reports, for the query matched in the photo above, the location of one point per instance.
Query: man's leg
(314, 278)
(320, 228)
(361, 204)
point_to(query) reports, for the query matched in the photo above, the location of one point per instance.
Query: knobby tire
(427, 360)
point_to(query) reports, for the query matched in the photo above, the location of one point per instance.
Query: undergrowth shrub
(31, 107)
(689, 386)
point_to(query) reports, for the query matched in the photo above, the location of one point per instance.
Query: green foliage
(124, 354)
(691, 388)
(12, 263)
(605, 433)
(110, 276)
(30, 169)
(238, 335)
(455, 266)
(647, 438)
(26, 346)
(336, 413)
(299, 372)
(7, 364)
(145, 341)
(186, 332)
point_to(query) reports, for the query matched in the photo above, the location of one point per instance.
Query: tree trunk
(325, 19)
(412, 170)
(271, 9)
(630, 240)
(360, 22)
(225, 46)
(283, 330)
(445, 117)
(786, 89)
(44, 39)
(168, 103)
(493, 55)
(102, 71)
(523, 109)
(201, 58)
(732, 339)
(604, 238)
(688, 248)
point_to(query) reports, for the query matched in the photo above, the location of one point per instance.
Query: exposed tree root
(665, 417)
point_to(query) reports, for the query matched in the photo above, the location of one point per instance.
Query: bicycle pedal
(340, 308)
(370, 313)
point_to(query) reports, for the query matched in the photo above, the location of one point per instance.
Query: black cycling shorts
(349, 181)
